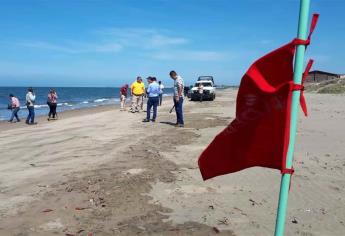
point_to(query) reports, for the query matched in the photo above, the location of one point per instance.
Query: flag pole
(297, 78)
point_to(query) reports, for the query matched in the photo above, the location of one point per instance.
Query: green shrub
(334, 89)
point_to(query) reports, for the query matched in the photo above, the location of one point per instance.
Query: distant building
(319, 76)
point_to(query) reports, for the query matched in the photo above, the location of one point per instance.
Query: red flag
(259, 135)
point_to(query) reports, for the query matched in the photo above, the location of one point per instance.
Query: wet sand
(100, 171)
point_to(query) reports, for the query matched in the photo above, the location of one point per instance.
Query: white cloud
(191, 55)
(143, 38)
(74, 47)
(156, 44)
(161, 40)
(105, 47)
(113, 40)
(45, 45)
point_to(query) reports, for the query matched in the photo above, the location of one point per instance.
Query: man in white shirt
(30, 100)
(178, 97)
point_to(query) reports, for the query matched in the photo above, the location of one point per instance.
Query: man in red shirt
(123, 96)
(15, 107)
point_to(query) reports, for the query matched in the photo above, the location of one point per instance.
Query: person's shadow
(167, 123)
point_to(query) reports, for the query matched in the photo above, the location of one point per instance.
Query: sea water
(70, 98)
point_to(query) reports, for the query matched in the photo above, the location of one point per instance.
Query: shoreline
(42, 119)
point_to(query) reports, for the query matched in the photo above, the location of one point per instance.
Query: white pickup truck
(209, 90)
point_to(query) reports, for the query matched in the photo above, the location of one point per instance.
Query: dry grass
(334, 86)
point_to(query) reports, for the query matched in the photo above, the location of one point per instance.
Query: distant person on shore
(153, 92)
(123, 96)
(137, 92)
(201, 91)
(178, 97)
(30, 101)
(161, 87)
(185, 91)
(52, 103)
(142, 99)
(15, 107)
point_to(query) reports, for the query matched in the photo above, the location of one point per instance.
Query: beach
(99, 171)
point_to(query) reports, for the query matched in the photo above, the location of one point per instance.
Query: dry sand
(103, 172)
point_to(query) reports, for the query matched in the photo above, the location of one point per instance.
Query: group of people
(138, 93)
(30, 100)
(154, 93)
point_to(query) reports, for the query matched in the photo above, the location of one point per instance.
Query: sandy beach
(100, 171)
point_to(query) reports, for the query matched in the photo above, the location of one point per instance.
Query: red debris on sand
(47, 210)
(80, 208)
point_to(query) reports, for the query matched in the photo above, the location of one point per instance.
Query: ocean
(69, 99)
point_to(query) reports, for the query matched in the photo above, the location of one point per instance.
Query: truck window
(205, 84)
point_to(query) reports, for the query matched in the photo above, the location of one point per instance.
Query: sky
(110, 42)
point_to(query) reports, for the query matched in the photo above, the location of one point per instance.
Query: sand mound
(334, 86)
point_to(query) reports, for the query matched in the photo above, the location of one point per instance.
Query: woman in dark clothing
(52, 103)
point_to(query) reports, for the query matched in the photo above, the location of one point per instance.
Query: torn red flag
(259, 135)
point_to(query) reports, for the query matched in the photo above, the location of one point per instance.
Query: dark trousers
(31, 116)
(160, 99)
(201, 96)
(179, 110)
(52, 110)
(152, 102)
(15, 114)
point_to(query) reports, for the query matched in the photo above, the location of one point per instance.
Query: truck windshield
(205, 84)
(205, 78)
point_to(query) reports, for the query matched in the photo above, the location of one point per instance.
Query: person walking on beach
(143, 98)
(52, 103)
(201, 91)
(161, 87)
(137, 92)
(30, 101)
(153, 92)
(185, 91)
(123, 96)
(178, 97)
(15, 107)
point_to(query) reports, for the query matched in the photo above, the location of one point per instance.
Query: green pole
(297, 78)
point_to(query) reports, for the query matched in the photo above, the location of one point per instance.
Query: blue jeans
(31, 116)
(15, 114)
(179, 110)
(152, 102)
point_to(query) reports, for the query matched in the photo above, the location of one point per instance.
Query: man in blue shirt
(153, 92)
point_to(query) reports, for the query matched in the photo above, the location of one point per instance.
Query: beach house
(319, 76)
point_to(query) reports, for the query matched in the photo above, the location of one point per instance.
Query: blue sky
(110, 42)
